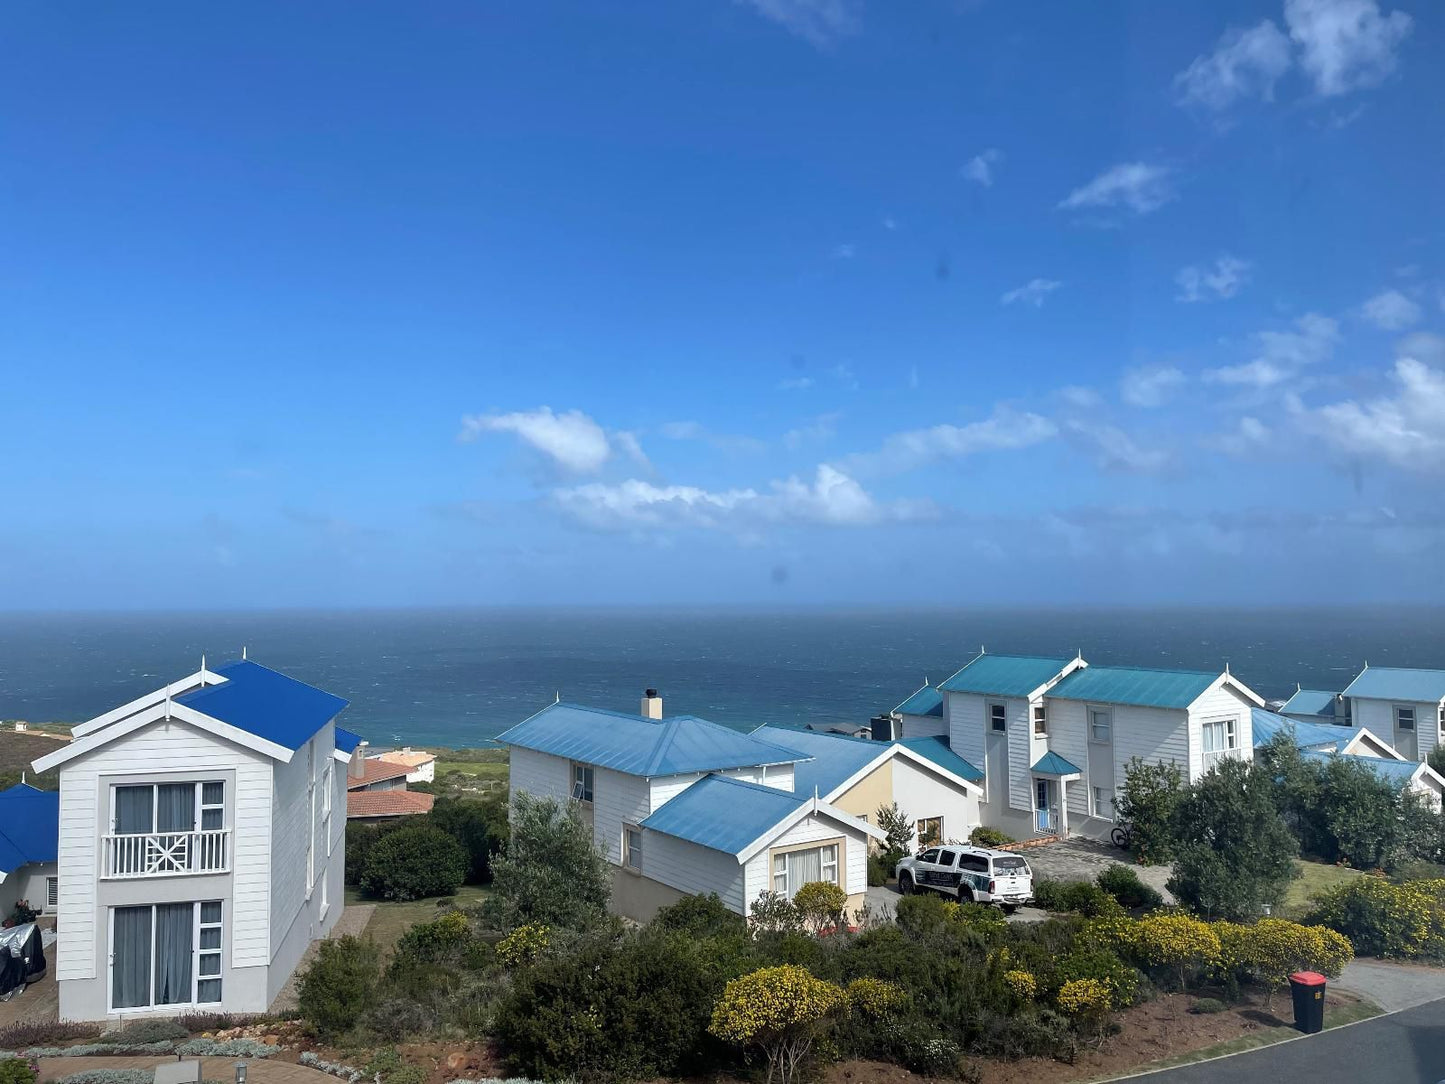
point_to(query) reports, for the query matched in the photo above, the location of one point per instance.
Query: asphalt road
(1403, 1048)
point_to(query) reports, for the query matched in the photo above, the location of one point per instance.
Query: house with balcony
(201, 844)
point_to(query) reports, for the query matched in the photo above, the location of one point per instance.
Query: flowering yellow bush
(875, 998)
(1384, 919)
(1023, 984)
(1176, 941)
(780, 1009)
(524, 944)
(821, 905)
(1084, 998)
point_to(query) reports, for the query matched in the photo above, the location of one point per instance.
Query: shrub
(989, 837)
(413, 863)
(1081, 897)
(1087, 1002)
(226, 1048)
(1101, 965)
(921, 1047)
(897, 827)
(523, 945)
(1384, 919)
(781, 1010)
(919, 915)
(876, 999)
(552, 872)
(25, 1033)
(151, 1031)
(775, 913)
(1022, 984)
(339, 985)
(1176, 942)
(1147, 802)
(701, 916)
(109, 1076)
(396, 1018)
(360, 839)
(434, 942)
(479, 826)
(821, 905)
(878, 871)
(1207, 1006)
(16, 1071)
(1124, 885)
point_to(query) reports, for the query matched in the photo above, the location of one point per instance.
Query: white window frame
(1402, 710)
(581, 791)
(993, 721)
(1230, 747)
(328, 784)
(1041, 720)
(311, 830)
(196, 953)
(52, 893)
(629, 851)
(200, 808)
(1107, 714)
(780, 876)
(933, 841)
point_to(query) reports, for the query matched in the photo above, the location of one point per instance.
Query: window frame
(1094, 793)
(584, 777)
(997, 713)
(199, 805)
(52, 893)
(1040, 714)
(780, 858)
(628, 850)
(198, 926)
(1406, 709)
(927, 840)
(1108, 715)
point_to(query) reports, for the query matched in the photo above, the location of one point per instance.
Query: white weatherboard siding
(758, 875)
(923, 726)
(665, 788)
(1020, 746)
(661, 791)
(1379, 717)
(539, 774)
(1155, 735)
(617, 799)
(921, 793)
(1219, 703)
(965, 713)
(693, 869)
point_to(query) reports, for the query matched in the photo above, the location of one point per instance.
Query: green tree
(1361, 812)
(1147, 802)
(412, 863)
(1436, 759)
(478, 825)
(1233, 852)
(897, 827)
(339, 985)
(551, 872)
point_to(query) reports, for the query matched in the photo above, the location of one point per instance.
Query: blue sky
(760, 302)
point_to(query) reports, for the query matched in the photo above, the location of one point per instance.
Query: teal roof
(724, 814)
(1134, 685)
(1053, 764)
(926, 701)
(1310, 702)
(1317, 736)
(1395, 772)
(835, 758)
(1005, 675)
(938, 751)
(1394, 683)
(636, 745)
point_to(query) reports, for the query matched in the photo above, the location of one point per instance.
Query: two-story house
(201, 844)
(1406, 706)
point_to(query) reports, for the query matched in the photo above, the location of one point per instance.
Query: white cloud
(1032, 293)
(818, 22)
(1406, 429)
(1391, 310)
(1220, 282)
(1258, 373)
(1004, 430)
(1280, 355)
(1245, 64)
(1076, 395)
(832, 499)
(629, 445)
(981, 166)
(1345, 45)
(1115, 451)
(1151, 386)
(572, 440)
(1248, 435)
(889, 222)
(1139, 186)
(796, 383)
(731, 443)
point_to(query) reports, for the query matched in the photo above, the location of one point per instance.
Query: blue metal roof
(1396, 772)
(724, 814)
(346, 741)
(926, 701)
(29, 826)
(1004, 675)
(1310, 702)
(941, 753)
(835, 757)
(1134, 685)
(1053, 764)
(639, 746)
(265, 703)
(1394, 683)
(1326, 736)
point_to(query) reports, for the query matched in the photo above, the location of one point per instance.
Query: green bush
(339, 985)
(1104, 966)
(775, 913)
(109, 1076)
(480, 826)
(878, 871)
(16, 1071)
(989, 837)
(552, 872)
(1080, 897)
(701, 916)
(821, 905)
(360, 839)
(1206, 1006)
(1124, 885)
(1147, 802)
(413, 863)
(1384, 919)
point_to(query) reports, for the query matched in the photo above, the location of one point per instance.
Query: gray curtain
(175, 922)
(131, 964)
(133, 809)
(176, 807)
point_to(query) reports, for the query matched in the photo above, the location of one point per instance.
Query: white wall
(1155, 735)
(1379, 716)
(28, 883)
(965, 714)
(693, 869)
(665, 788)
(539, 774)
(1220, 703)
(758, 877)
(616, 799)
(922, 726)
(922, 793)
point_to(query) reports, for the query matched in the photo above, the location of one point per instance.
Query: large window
(1101, 724)
(930, 830)
(1104, 802)
(793, 869)
(998, 717)
(582, 779)
(1221, 739)
(165, 954)
(168, 807)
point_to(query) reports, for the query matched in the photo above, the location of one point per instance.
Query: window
(1101, 724)
(311, 818)
(998, 717)
(1010, 866)
(328, 782)
(168, 808)
(1041, 719)
(1404, 717)
(974, 863)
(52, 892)
(930, 830)
(1104, 802)
(793, 869)
(946, 858)
(1221, 739)
(166, 954)
(632, 847)
(582, 782)
(930, 855)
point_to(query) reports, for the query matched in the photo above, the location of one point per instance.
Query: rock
(457, 1060)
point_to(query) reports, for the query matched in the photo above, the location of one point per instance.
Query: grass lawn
(391, 920)
(474, 768)
(1314, 877)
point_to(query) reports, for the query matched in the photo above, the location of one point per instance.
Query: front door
(1043, 805)
(1405, 742)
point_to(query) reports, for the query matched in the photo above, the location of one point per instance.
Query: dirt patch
(443, 1060)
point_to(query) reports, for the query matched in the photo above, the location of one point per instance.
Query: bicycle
(1122, 836)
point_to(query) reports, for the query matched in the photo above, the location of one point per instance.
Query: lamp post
(240, 1072)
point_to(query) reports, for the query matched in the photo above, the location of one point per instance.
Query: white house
(201, 844)
(1317, 706)
(423, 765)
(921, 715)
(1054, 735)
(29, 830)
(682, 806)
(1407, 706)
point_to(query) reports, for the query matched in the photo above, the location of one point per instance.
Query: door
(1405, 741)
(1043, 805)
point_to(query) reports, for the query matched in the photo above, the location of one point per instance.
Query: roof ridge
(1151, 670)
(791, 795)
(662, 745)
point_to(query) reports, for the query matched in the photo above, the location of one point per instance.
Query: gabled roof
(377, 770)
(29, 826)
(1142, 687)
(833, 758)
(265, 703)
(1053, 764)
(1310, 702)
(938, 751)
(1006, 675)
(1398, 773)
(926, 701)
(638, 746)
(346, 741)
(388, 803)
(1396, 683)
(1318, 737)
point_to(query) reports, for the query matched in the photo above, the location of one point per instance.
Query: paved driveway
(1084, 859)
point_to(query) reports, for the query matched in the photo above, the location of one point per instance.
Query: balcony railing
(167, 854)
(1212, 757)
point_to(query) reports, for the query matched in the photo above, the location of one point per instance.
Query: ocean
(459, 677)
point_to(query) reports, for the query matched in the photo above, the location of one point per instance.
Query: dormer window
(1041, 720)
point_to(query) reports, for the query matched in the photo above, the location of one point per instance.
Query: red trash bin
(1308, 991)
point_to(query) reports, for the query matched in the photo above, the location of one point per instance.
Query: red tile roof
(388, 803)
(377, 769)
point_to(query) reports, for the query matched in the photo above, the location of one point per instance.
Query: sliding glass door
(165, 954)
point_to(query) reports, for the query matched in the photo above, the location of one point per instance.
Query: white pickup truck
(969, 874)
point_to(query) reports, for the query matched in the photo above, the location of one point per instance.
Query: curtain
(176, 807)
(175, 923)
(803, 868)
(133, 809)
(131, 958)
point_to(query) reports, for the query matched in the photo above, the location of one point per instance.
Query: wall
(758, 876)
(923, 726)
(27, 883)
(1379, 717)
(616, 799)
(691, 869)
(923, 793)
(864, 797)
(1219, 703)
(539, 774)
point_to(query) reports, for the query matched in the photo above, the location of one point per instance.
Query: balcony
(166, 854)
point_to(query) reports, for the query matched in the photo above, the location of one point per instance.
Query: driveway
(1084, 859)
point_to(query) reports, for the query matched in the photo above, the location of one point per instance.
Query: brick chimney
(651, 705)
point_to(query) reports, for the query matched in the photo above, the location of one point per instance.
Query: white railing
(1213, 756)
(167, 854)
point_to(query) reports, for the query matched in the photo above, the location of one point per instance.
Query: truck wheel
(905, 884)
(965, 894)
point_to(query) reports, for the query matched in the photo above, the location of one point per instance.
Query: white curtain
(804, 867)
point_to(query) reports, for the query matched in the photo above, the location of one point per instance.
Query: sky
(742, 302)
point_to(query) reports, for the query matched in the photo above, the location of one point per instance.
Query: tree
(1436, 759)
(781, 1010)
(897, 828)
(1361, 812)
(551, 872)
(1147, 802)
(479, 826)
(412, 863)
(1234, 853)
